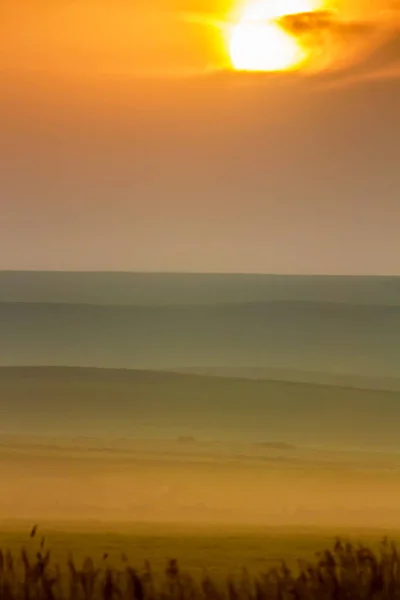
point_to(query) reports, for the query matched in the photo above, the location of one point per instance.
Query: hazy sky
(127, 142)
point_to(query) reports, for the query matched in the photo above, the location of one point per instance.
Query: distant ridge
(185, 288)
(319, 336)
(304, 380)
(296, 305)
(99, 374)
(296, 376)
(330, 330)
(96, 373)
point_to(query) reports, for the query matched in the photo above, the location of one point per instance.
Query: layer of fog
(187, 481)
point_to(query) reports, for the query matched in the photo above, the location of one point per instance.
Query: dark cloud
(347, 48)
(324, 22)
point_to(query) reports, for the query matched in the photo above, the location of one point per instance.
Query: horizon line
(202, 273)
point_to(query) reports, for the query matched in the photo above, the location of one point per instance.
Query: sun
(263, 47)
(257, 42)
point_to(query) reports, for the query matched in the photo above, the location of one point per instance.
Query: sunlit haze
(259, 43)
(130, 142)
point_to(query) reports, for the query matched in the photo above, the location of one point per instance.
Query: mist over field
(97, 480)
(200, 399)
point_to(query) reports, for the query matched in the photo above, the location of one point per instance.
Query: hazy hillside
(92, 402)
(368, 382)
(174, 288)
(317, 336)
(332, 330)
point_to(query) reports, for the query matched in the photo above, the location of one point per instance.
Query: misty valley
(222, 421)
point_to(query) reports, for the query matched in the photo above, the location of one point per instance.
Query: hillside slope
(140, 404)
(141, 289)
(325, 337)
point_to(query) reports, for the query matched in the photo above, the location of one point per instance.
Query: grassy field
(167, 563)
(219, 551)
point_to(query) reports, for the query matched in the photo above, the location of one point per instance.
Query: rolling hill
(141, 289)
(145, 404)
(308, 336)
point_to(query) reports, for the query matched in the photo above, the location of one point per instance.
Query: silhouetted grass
(346, 571)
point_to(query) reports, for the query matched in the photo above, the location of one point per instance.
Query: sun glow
(257, 42)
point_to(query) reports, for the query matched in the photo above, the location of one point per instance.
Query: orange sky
(126, 143)
(162, 37)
